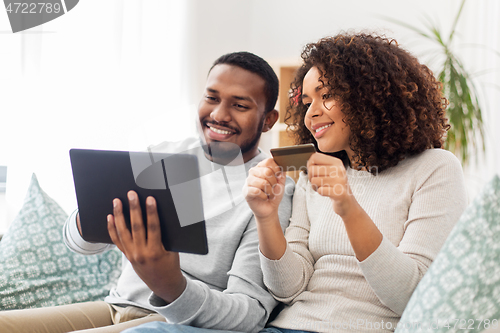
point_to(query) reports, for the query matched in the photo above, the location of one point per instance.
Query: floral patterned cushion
(461, 290)
(36, 267)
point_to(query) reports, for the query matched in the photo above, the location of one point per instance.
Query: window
(3, 203)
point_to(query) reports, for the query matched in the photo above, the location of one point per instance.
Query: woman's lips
(320, 129)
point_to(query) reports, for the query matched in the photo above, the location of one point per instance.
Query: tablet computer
(172, 179)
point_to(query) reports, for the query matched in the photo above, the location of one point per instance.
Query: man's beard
(226, 152)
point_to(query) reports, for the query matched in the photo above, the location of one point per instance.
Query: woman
(377, 203)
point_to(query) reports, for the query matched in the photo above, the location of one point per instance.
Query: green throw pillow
(36, 267)
(461, 290)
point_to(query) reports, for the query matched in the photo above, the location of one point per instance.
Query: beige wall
(277, 30)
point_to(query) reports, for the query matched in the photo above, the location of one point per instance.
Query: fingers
(254, 192)
(113, 233)
(327, 175)
(154, 230)
(267, 170)
(263, 184)
(321, 165)
(334, 191)
(263, 179)
(326, 171)
(136, 221)
(269, 162)
(78, 224)
(117, 228)
(327, 187)
(319, 159)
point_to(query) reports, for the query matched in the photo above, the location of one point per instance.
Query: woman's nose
(314, 110)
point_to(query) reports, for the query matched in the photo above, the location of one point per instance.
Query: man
(221, 290)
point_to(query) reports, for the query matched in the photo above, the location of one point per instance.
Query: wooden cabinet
(285, 73)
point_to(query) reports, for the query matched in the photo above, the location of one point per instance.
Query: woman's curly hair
(393, 105)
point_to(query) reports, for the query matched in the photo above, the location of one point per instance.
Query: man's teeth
(216, 130)
(322, 127)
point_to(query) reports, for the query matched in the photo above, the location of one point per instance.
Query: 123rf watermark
(456, 324)
(466, 325)
(27, 14)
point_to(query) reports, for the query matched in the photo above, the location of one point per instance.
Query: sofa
(459, 293)
(461, 290)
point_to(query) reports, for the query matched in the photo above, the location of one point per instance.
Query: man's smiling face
(233, 107)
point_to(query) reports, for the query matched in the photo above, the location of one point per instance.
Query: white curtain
(107, 75)
(479, 45)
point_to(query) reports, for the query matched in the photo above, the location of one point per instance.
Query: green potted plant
(465, 113)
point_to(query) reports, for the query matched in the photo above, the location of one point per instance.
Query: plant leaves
(464, 111)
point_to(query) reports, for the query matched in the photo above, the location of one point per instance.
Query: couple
(368, 218)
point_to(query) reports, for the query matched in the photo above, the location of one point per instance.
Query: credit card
(293, 158)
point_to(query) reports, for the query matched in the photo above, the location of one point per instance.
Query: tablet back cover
(100, 176)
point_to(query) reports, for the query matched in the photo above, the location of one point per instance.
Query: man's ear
(271, 118)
